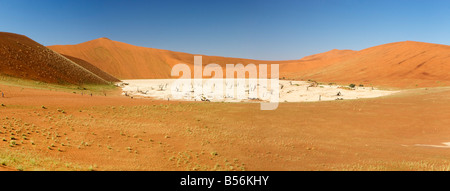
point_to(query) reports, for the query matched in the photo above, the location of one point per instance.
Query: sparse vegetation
(158, 131)
(24, 83)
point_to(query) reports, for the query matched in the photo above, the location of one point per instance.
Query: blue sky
(257, 29)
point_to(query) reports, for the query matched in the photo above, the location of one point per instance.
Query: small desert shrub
(352, 85)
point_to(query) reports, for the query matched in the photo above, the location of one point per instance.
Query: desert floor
(60, 130)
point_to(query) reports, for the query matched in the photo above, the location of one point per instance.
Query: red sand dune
(24, 58)
(401, 64)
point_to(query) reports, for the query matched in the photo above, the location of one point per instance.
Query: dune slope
(93, 69)
(24, 58)
(120, 59)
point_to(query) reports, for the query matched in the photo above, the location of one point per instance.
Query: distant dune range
(400, 64)
(405, 64)
(24, 58)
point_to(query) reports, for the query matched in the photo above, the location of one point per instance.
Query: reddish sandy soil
(119, 133)
(4, 168)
